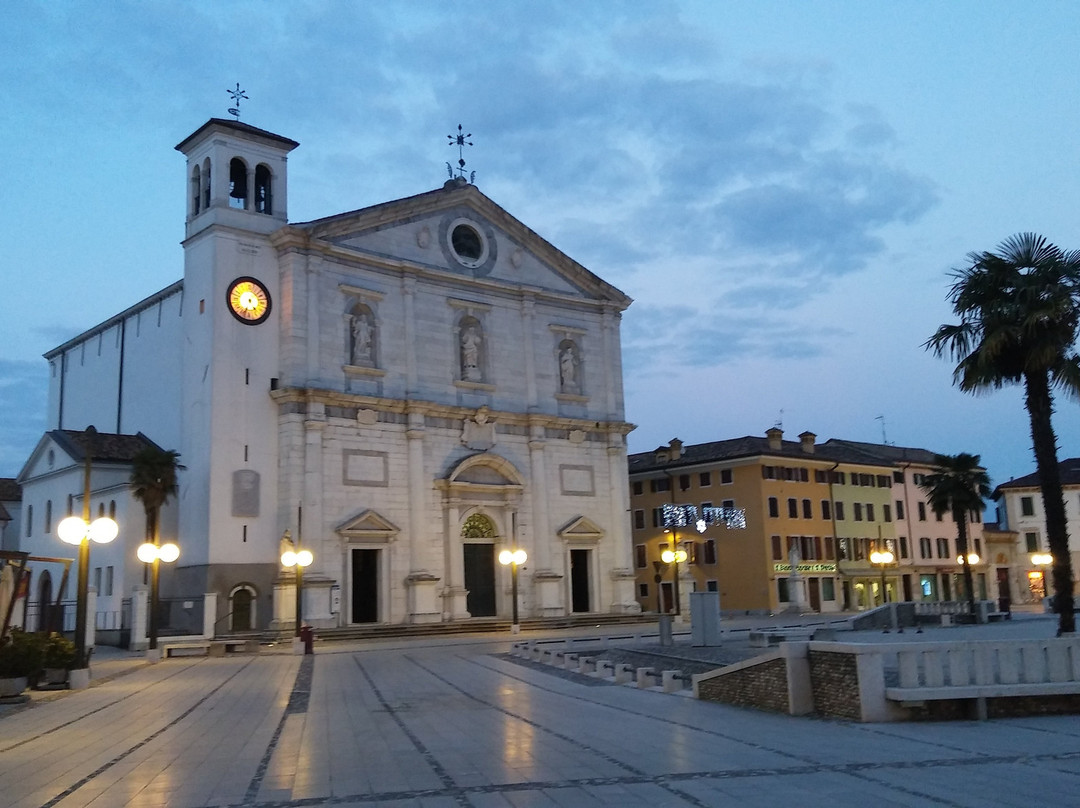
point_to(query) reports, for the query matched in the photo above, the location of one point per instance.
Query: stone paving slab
(452, 723)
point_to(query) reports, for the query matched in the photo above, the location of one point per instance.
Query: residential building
(820, 509)
(405, 389)
(10, 510)
(1021, 511)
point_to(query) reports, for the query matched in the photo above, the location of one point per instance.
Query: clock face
(248, 301)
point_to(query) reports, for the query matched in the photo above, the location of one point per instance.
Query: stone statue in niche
(362, 334)
(568, 366)
(479, 431)
(470, 354)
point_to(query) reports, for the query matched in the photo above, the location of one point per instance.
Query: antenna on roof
(236, 95)
(461, 140)
(881, 418)
(780, 420)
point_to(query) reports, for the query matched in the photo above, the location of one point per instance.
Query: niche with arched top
(238, 190)
(471, 349)
(363, 336)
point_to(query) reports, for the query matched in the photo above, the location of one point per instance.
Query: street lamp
(82, 531)
(882, 557)
(675, 557)
(298, 559)
(150, 553)
(1043, 561)
(513, 559)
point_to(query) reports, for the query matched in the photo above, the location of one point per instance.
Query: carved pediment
(581, 530)
(368, 526)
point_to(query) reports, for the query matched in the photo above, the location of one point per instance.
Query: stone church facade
(405, 390)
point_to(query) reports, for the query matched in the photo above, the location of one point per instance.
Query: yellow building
(820, 509)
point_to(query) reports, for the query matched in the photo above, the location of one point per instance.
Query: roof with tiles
(753, 446)
(1068, 469)
(106, 447)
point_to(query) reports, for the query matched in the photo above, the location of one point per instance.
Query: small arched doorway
(478, 544)
(242, 608)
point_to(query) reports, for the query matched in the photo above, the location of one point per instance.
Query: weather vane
(461, 140)
(236, 95)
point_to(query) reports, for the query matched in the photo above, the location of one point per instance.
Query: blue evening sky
(782, 187)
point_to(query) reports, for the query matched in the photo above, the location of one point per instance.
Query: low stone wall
(763, 685)
(834, 678)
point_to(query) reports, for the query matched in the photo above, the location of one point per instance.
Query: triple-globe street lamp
(153, 554)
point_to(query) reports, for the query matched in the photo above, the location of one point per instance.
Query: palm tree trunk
(960, 517)
(1040, 408)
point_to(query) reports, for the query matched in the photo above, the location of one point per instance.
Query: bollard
(570, 661)
(645, 677)
(603, 666)
(672, 681)
(307, 637)
(587, 664)
(623, 673)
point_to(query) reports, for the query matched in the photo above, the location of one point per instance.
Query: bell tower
(236, 191)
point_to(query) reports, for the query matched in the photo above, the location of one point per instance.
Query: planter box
(11, 687)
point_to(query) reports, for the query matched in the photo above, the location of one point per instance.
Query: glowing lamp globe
(169, 553)
(506, 557)
(304, 558)
(288, 559)
(71, 530)
(146, 553)
(103, 530)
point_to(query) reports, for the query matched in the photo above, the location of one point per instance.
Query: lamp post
(81, 531)
(152, 554)
(513, 559)
(882, 557)
(298, 559)
(674, 557)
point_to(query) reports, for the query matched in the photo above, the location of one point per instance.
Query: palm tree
(1019, 310)
(959, 487)
(153, 480)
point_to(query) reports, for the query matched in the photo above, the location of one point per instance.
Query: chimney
(807, 439)
(776, 438)
(675, 448)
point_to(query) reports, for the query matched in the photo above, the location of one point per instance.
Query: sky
(782, 187)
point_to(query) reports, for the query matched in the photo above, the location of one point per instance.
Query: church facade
(405, 390)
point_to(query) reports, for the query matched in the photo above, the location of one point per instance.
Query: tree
(153, 480)
(959, 487)
(1019, 312)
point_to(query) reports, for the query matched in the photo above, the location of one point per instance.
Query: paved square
(451, 722)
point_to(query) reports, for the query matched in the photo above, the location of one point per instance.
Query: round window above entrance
(467, 244)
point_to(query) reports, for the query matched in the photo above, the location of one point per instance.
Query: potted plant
(59, 658)
(21, 656)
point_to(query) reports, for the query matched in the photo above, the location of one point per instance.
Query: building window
(898, 476)
(684, 482)
(263, 196)
(826, 509)
(918, 478)
(942, 548)
(238, 184)
(661, 484)
(112, 509)
(710, 551)
(705, 505)
(828, 589)
(47, 527)
(727, 503)
(640, 558)
(639, 519)
(886, 513)
(838, 508)
(843, 549)
(97, 579)
(108, 580)
(883, 481)
(1032, 540)
(922, 511)
(903, 547)
(774, 508)
(829, 548)
(792, 508)
(899, 509)
(978, 547)
(29, 520)
(657, 517)
(777, 550)
(712, 586)
(1027, 506)
(807, 509)
(705, 479)
(924, 548)
(637, 488)
(857, 508)
(869, 512)
(725, 476)
(643, 590)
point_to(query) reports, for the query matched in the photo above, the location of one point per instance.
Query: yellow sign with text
(824, 567)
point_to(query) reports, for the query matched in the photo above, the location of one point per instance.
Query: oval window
(467, 243)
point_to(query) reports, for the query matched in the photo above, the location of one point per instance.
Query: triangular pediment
(581, 530)
(48, 456)
(368, 526)
(419, 230)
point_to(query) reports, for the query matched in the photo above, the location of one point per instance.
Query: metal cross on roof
(461, 140)
(236, 95)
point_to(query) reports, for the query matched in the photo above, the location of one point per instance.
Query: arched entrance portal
(242, 608)
(478, 544)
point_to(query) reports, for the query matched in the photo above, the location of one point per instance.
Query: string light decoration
(687, 515)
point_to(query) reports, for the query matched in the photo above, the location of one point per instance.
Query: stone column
(139, 599)
(455, 606)
(408, 289)
(209, 615)
(312, 365)
(313, 538)
(421, 582)
(546, 579)
(622, 572)
(528, 310)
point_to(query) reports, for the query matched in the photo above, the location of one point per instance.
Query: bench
(185, 649)
(214, 648)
